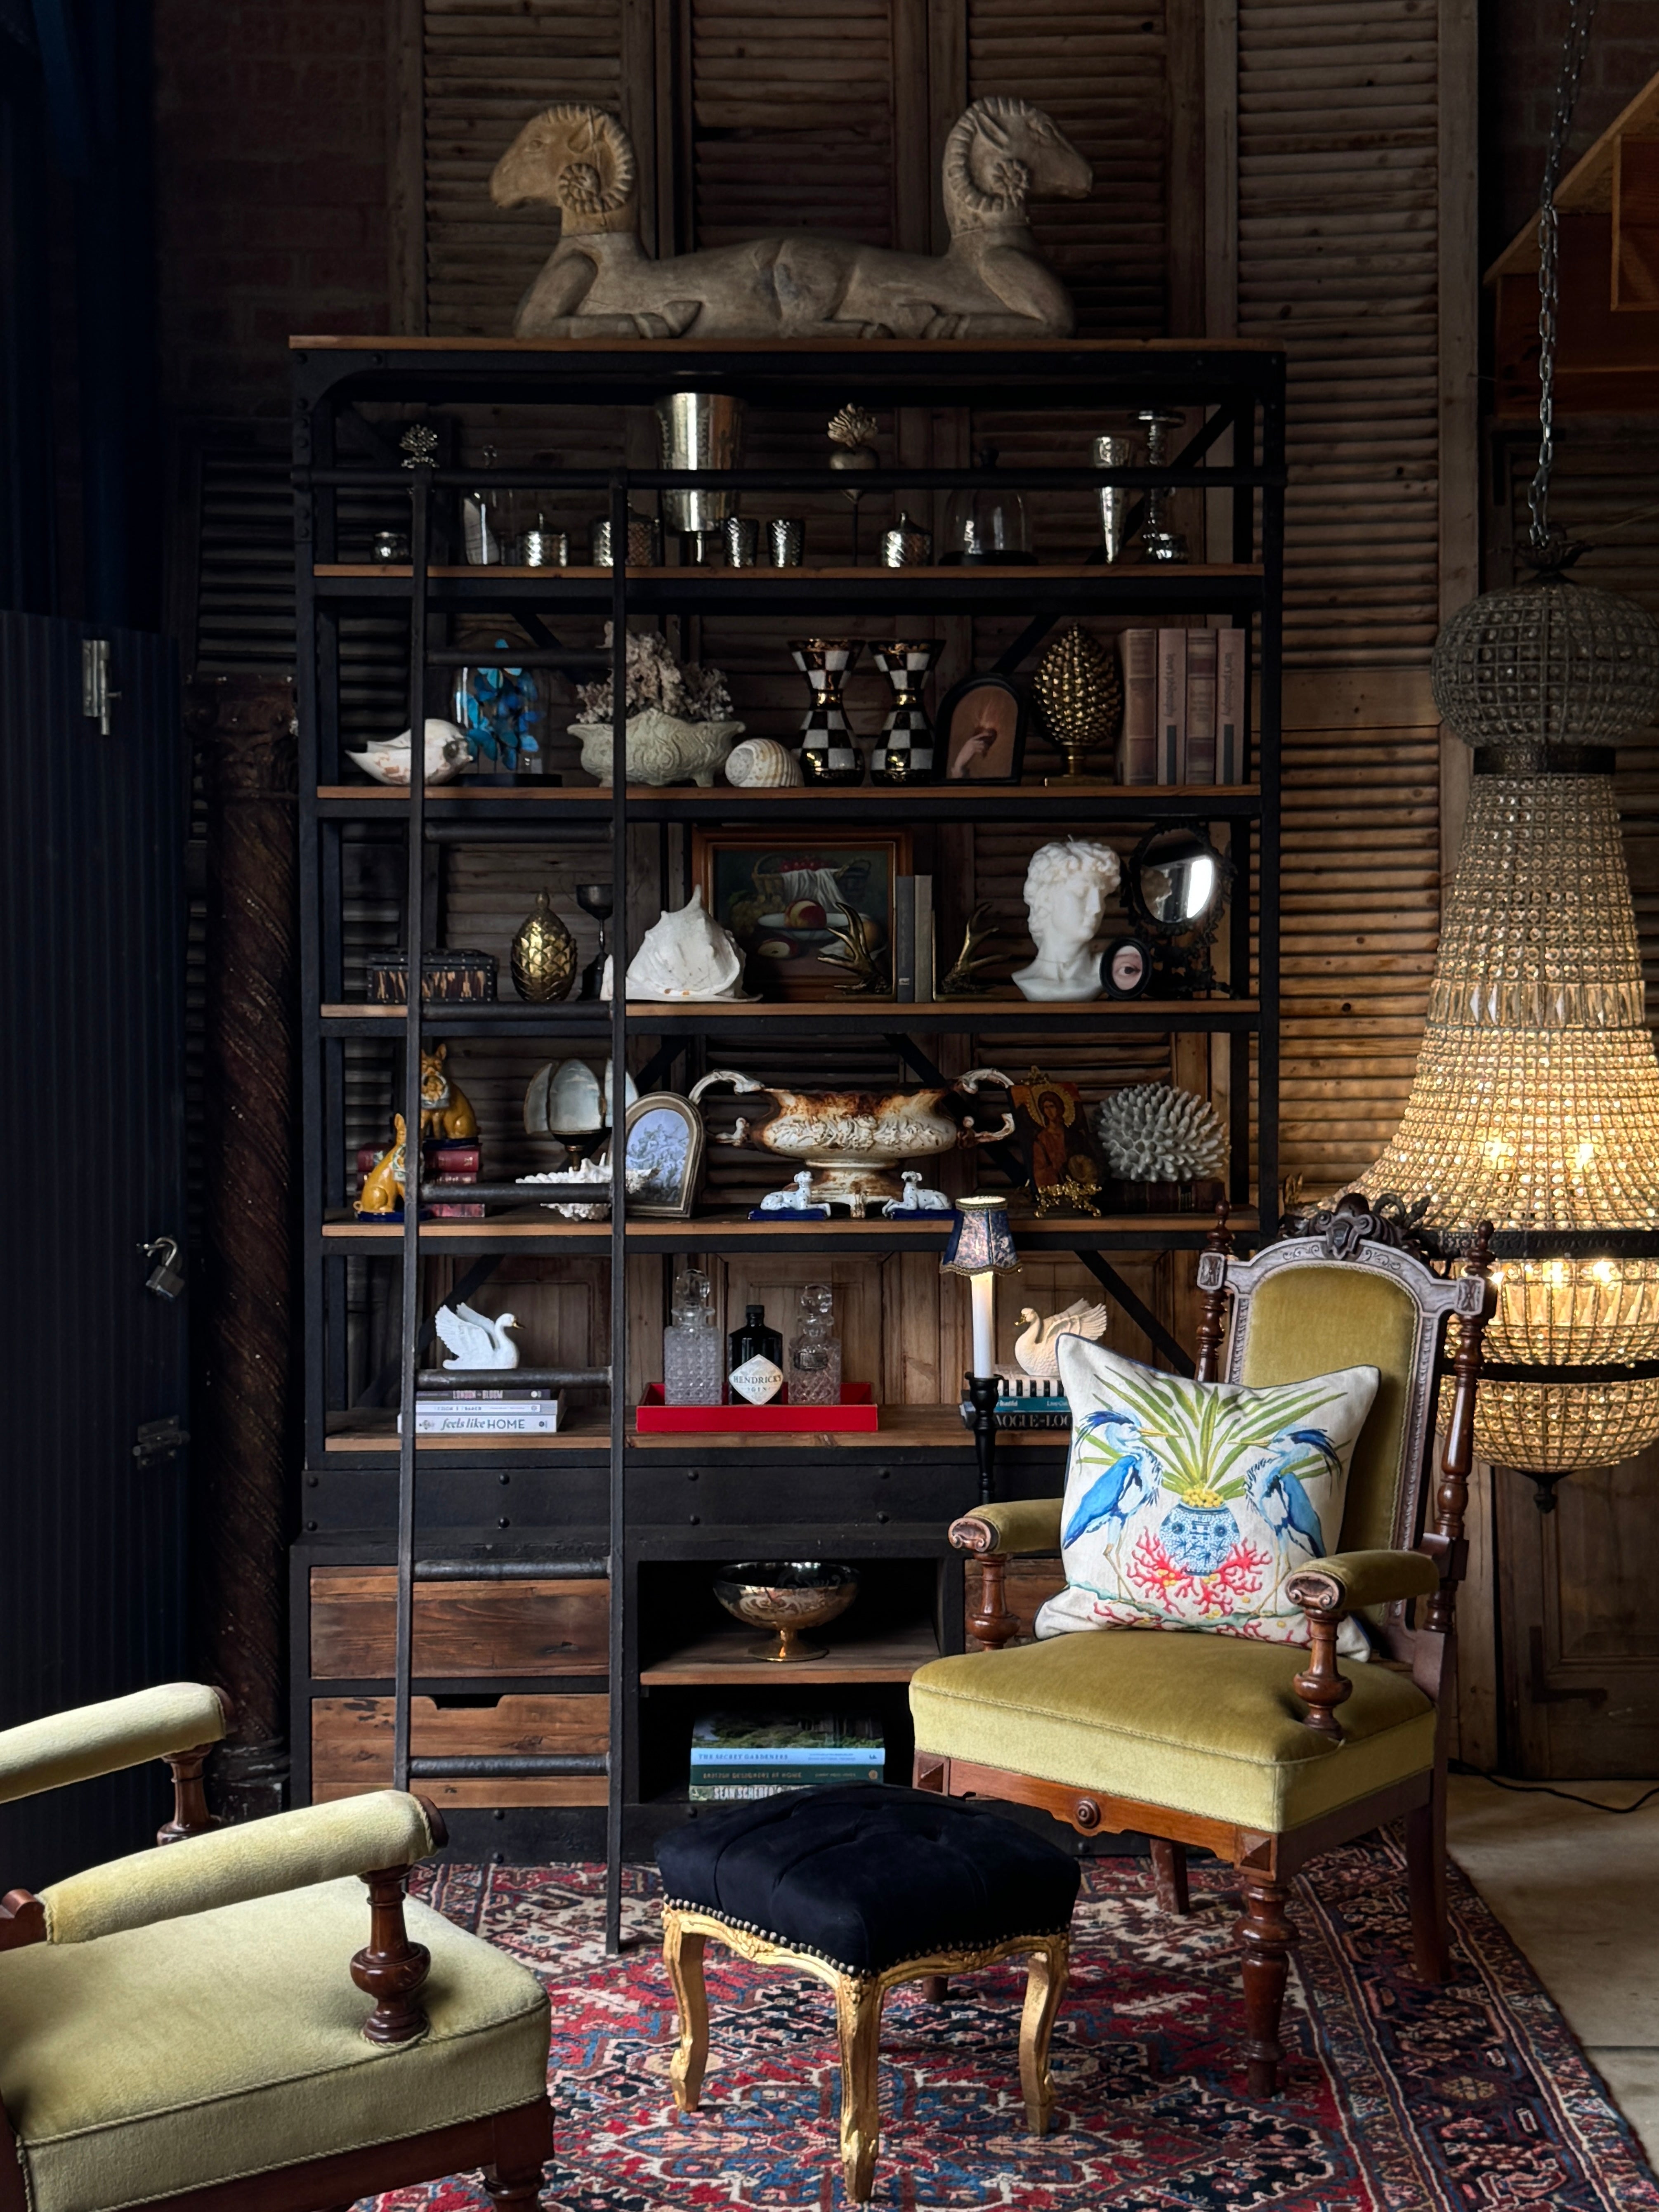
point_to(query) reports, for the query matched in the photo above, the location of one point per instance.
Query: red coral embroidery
(1158, 1577)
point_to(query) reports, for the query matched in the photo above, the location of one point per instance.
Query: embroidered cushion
(1190, 1505)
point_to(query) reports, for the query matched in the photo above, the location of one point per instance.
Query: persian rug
(1399, 2098)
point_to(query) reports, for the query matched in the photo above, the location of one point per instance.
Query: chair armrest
(1349, 1581)
(291, 1851)
(1028, 1524)
(94, 1740)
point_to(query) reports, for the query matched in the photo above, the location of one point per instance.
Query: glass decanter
(693, 1361)
(815, 1351)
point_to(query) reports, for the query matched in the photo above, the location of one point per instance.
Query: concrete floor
(1578, 1890)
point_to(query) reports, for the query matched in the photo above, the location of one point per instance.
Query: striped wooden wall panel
(1338, 260)
(489, 65)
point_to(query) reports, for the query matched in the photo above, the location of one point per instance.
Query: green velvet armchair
(1267, 1755)
(181, 2029)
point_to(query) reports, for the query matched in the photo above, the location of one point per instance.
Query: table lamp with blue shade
(981, 1248)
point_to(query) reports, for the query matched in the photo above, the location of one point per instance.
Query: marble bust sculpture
(1067, 887)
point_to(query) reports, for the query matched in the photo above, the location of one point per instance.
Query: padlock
(166, 1279)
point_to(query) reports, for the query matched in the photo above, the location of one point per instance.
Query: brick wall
(272, 189)
(1521, 58)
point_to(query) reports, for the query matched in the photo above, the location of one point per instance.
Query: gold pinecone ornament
(543, 955)
(1079, 697)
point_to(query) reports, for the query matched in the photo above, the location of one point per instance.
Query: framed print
(1063, 1159)
(981, 730)
(1126, 968)
(664, 1136)
(789, 899)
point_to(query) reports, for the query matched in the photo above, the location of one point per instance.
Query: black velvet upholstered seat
(868, 1876)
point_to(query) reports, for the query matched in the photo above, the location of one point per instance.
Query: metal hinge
(95, 692)
(159, 1440)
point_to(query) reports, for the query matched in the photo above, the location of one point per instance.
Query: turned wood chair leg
(935, 1989)
(390, 1968)
(1426, 1878)
(515, 2189)
(1266, 1934)
(682, 1954)
(858, 2022)
(191, 1816)
(1170, 1875)
(1045, 1985)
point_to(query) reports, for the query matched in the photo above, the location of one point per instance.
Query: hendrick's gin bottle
(755, 1367)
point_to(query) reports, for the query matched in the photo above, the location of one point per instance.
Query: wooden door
(92, 1563)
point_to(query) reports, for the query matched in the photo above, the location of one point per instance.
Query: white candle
(982, 1289)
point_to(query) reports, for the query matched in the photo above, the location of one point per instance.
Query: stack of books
(1024, 1403)
(442, 1160)
(1183, 706)
(736, 1755)
(913, 938)
(512, 1409)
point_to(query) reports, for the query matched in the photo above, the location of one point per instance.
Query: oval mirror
(1177, 881)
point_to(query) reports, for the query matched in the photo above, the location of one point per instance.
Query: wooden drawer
(460, 1628)
(351, 1747)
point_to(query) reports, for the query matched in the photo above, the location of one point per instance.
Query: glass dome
(985, 524)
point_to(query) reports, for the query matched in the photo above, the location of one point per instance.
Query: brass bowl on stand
(787, 1596)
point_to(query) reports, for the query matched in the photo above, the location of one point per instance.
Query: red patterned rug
(1399, 2098)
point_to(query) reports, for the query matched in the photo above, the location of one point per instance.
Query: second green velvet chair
(1264, 1754)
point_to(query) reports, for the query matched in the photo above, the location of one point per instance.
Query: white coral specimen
(1152, 1133)
(692, 694)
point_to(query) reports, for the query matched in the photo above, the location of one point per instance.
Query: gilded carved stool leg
(858, 2022)
(682, 1953)
(1045, 1985)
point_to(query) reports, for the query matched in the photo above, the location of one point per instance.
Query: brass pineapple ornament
(1079, 695)
(543, 955)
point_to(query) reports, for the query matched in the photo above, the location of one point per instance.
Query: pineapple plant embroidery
(1189, 1506)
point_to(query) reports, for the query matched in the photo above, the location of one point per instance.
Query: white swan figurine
(474, 1339)
(1037, 1347)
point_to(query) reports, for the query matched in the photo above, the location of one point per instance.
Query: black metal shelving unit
(597, 1505)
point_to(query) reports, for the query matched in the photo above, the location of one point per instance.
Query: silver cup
(644, 542)
(699, 430)
(742, 542)
(1115, 499)
(906, 546)
(786, 541)
(1160, 541)
(546, 548)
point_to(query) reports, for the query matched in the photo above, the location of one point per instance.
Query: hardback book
(440, 1390)
(1233, 674)
(440, 1162)
(1171, 706)
(922, 925)
(904, 938)
(1202, 666)
(738, 1755)
(1024, 1412)
(1137, 752)
(449, 1418)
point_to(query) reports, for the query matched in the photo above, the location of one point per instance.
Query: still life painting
(790, 904)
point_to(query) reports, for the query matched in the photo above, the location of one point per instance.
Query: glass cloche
(985, 524)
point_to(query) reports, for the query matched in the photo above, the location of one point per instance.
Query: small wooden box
(448, 974)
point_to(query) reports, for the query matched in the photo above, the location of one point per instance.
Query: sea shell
(446, 754)
(661, 748)
(686, 954)
(762, 764)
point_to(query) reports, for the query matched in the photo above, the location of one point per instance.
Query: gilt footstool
(867, 1886)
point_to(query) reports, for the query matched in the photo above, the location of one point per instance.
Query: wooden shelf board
(889, 1655)
(912, 1428)
(980, 1012)
(1065, 793)
(738, 581)
(534, 1225)
(1018, 350)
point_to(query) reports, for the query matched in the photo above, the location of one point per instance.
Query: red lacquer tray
(857, 1410)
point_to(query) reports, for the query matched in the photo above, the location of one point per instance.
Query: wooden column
(241, 1307)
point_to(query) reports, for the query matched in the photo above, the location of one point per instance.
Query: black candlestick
(983, 1391)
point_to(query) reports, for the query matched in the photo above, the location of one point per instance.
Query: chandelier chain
(1580, 16)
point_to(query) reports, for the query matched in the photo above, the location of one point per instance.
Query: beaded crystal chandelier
(1536, 1104)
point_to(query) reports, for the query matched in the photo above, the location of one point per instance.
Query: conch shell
(762, 764)
(686, 954)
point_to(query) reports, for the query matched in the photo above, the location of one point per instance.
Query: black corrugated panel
(92, 1563)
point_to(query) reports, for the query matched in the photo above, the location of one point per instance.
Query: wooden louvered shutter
(1349, 173)
(487, 66)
